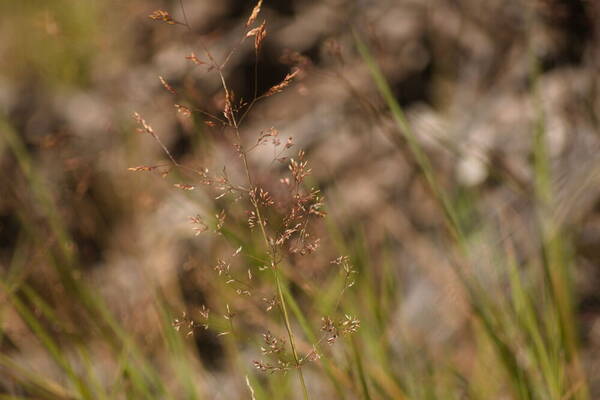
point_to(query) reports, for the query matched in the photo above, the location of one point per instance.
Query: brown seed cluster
(166, 85)
(144, 127)
(199, 225)
(193, 58)
(162, 15)
(283, 84)
(183, 110)
(268, 368)
(143, 168)
(189, 325)
(273, 344)
(259, 34)
(333, 330)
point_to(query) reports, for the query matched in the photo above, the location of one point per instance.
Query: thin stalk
(361, 371)
(421, 158)
(288, 327)
(274, 266)
(556, 263)
(234, 122)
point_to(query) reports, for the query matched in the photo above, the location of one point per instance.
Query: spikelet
(283, 84)
(166, 85)
(193, 58)
(183, 110)
(254, 14)
(259, 34)
(184, 186)
(162, 15)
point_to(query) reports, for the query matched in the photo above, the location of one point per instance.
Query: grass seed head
(193, 58)
(143, 168)
(166, 85)
(162, 15)
(254, 14)
(183, 110)
(184, 186)
(143, 125)
(283, 84)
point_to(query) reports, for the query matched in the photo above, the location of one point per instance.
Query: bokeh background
(489, 88)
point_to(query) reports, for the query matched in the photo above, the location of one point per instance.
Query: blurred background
(98, 264)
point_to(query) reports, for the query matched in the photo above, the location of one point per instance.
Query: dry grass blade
(183, 110)
(193, 58)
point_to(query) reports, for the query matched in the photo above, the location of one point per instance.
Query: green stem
(274, 266)
(288, 327)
